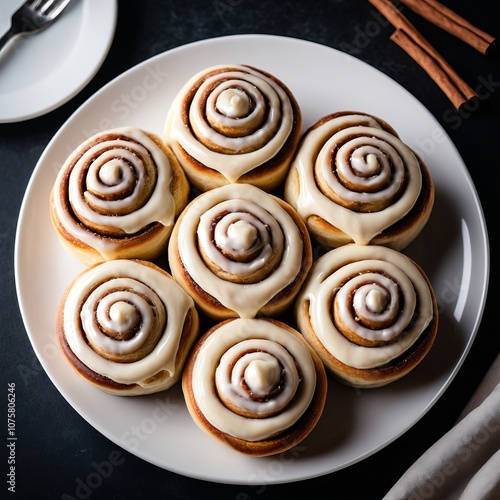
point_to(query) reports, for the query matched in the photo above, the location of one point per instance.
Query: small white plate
(452, 249)
(42, 72)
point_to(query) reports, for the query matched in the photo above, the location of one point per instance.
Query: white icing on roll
(119, 183)
(385, 283)
(262, 374)
(370, 166)
(118, 306)
(239, 233)
(279, 347)
(246, 113)
(362, 285)
(233, 103)
(253, 207)
(259, 365)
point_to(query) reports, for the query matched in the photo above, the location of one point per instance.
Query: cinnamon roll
(239, 251)
(127, 327)
(117, 196)
(234, 123)
(255, 385)
(354, 180)
(369, 312)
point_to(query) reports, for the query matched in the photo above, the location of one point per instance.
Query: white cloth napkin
(465, 463)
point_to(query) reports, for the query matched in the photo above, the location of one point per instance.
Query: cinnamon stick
(430, 66)
(450, 21)
(401, 23)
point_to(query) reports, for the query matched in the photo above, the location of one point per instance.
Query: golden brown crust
(146, 244)
(210, 305)
(381, 375)
(180, 187)
(277, 444)
(385, 126)
(189, 333)
(397, 236)
(267, 176)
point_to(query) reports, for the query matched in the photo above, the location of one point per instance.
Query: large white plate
(39, 73)
(453, 249)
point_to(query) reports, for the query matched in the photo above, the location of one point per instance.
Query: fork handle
(7, 37)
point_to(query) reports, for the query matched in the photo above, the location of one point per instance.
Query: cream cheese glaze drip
(124, 320)
(366, 285)
(245, 213)
(239, 118)
(356, 176)
(119, 183)
(254, 351)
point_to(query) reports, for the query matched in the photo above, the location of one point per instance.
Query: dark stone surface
(57, 449)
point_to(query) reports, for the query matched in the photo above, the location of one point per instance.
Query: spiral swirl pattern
(124, 320)
(378, 302)
(265, 378)
(369, 305)
(114, 186)
(241, 246)
(356, 174)
(238, 112)
(257, 378)
(123, 317)
(242, 241)
(232, 119)
(361, 170)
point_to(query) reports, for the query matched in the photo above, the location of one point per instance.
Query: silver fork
(33, 16)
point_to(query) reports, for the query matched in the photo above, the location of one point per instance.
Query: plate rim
(476, 199)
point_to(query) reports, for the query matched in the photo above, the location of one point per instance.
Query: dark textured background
(56, 449)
